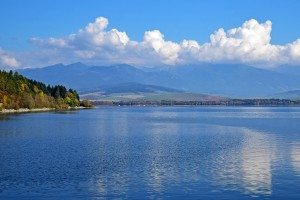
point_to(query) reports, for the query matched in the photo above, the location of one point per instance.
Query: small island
(20, 94)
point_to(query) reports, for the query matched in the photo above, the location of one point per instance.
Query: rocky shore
(26, 110)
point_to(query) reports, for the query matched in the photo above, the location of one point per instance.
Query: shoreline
(254, 106)
(27, 110)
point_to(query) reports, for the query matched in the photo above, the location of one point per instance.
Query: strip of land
(26, 110)
(225, 102)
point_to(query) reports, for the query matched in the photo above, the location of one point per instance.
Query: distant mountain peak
(52, 66)
(123, 66)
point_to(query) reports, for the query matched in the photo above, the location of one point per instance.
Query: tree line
(17, 91)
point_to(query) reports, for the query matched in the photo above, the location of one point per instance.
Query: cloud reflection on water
(257, 158)
(194, 154)
(295, 156)
(244, 166)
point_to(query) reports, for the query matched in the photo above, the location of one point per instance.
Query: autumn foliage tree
(16, 92)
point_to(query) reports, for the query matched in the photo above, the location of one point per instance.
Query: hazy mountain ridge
(288, 69)
(218, 79)
(293, 94)
(85, 78)
(236, 80)
(126, 91)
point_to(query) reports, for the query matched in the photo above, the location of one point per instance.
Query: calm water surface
(152, 153)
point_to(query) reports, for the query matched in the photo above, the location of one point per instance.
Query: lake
(152, 153)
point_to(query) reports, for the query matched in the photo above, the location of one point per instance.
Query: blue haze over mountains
(232, 80)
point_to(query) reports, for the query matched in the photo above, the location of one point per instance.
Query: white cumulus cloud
(166, 50)
(7, 60)
(250, 44)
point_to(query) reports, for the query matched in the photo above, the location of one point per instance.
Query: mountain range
(230, 80)
(293, 95)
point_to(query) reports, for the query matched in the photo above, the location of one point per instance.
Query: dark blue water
(152, 153)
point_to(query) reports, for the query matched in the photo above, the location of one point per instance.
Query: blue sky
(195, 19)
(176, 20)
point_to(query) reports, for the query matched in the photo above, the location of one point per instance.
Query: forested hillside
(16, 92)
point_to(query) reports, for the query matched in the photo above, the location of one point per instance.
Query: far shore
(26, 110)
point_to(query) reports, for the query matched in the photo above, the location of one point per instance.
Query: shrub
(86, 103)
